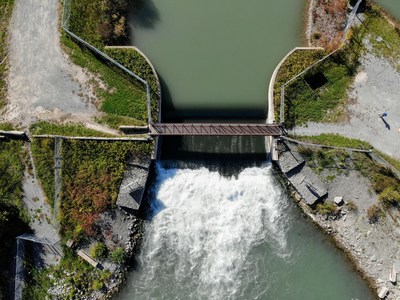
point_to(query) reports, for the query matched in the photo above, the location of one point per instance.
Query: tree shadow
(143, 13)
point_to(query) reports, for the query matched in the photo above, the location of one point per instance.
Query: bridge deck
(215, 129)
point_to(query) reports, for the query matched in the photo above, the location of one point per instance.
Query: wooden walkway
(157, 129)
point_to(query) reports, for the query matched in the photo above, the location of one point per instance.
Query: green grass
(394, 162)
(134, 61)
(335, 140)
(45, 128)
(6, 8)
(378, 26)
(121, 96)
(297, 62)
(114, 121)
(13, 216)
(326, 103)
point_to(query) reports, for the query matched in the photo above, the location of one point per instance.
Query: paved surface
(376, 90)
(42, 83)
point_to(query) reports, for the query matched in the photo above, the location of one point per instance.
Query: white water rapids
(203, 228)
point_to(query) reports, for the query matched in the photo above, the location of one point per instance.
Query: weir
(213, 234)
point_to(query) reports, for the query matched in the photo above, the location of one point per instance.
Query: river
(391, 6)
(226, 233)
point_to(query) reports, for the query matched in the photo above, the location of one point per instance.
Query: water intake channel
(220, 223)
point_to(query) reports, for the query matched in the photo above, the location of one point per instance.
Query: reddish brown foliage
(329, 19)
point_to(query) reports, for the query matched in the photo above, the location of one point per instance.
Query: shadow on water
(143, 13)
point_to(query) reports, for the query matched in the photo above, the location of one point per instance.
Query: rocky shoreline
(371, 246)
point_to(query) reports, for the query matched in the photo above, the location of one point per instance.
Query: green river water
(211, 236)
(391, 6)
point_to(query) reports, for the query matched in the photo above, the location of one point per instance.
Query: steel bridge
(157, 129)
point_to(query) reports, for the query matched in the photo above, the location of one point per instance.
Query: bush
(98, 250)
(117, 256)
(390, 196)
(351, 206)
(326, 208)
(374, 213)
(92, 174)
(97, 285)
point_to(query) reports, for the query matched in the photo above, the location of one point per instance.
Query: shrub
(326, 208)
(351, 206)
(117, 256)
(97, 285)
(374, 213)
(98, 250)
(390, 196)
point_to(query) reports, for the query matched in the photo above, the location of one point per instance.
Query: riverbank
(364, 224)
(361, 225)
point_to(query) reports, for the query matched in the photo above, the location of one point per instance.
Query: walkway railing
(64, 25)
(215, 129)
(347, 28)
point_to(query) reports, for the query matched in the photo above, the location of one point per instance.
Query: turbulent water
(216, 237)
(203, 229)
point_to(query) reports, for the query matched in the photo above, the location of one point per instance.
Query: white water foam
(203, 228)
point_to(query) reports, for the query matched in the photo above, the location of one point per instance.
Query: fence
(350, 22)
(66, 16)
(52, 246)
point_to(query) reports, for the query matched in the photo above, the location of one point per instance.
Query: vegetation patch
(328, 208)
(77, 278)
(114, 121)
(321, 103)
(117, 255)
(335, 140)
(43, 155)
(297, 62)
(351, 206)
(328, 20)
(92, 174)
(71, 129)
(320, 159)
(383, 181)
(382, 35)
(100, 22)
(374, 213)
(6, 8)
(118, 93)
(390, 195)
(122, 98)
(306, 101)
(134, 60)
(14, 218)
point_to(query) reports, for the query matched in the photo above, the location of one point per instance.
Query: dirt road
(42, 84)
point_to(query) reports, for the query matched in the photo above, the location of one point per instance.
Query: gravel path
(375, 90)
(42, 84)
